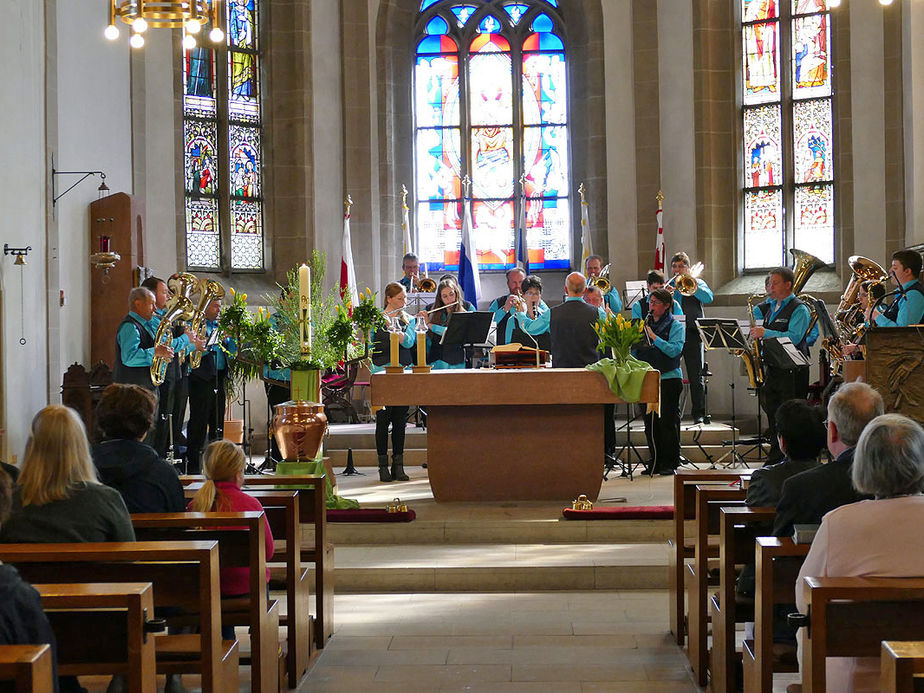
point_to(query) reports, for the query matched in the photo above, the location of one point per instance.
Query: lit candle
(395, 342)
(104, 244)
(304, 303)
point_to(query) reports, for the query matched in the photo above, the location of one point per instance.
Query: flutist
(448, 301)
(665, 339)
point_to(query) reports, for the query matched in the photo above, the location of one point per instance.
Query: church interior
(735, 131)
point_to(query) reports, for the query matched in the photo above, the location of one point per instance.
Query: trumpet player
(908, 306)
(535, 306)
(781, 315)
(666, 338)
(135, 348)
(655, 281)
(593, 267)
(693, 356)
(505, 306)
(410, 265)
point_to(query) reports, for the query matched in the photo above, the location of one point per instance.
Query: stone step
(500, 567)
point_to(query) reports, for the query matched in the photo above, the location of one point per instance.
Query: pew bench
(315, 547)
(709, 499)
(739, 527)
(27, 667)
(851, 616)
(681, 545)
(777, 561)
(118, 616)
(184, 576)
(241, 544)
(902, 667)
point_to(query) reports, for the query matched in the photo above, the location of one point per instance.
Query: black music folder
(781, 353)
(470, 327)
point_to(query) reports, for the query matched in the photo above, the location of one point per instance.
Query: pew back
(902, 666)
(27, 667)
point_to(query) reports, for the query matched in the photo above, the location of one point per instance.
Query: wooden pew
(184, 575)
(738, 528)
(236, 549)
(708, 500)
(120, 618)
(850, 617)
(27, 667)
(316, 549)
(778, 562)
(282, 513)
(681, 546)
(902, 667)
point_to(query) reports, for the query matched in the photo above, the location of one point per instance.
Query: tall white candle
(304, 304)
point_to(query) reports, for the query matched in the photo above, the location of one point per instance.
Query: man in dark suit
(807, 496)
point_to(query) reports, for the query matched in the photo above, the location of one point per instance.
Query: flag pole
(659, 244)
(406, 222)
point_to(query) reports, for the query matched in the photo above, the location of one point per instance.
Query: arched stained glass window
(490, 103)
(788, 186)
(223, 151)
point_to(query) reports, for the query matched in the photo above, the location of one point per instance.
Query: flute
(448, 305)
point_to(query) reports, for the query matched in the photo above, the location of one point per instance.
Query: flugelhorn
(209, 290)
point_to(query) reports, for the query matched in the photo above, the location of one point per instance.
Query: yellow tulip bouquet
(618, 334)
(624, 372)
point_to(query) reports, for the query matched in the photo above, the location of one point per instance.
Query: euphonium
(686, 283)
(177, 307)
(209, 290)
(601, 281)
(184, 284)
(863, 270)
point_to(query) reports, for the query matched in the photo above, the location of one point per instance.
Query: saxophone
(751, 357)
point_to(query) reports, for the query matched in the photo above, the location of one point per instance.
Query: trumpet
(686, 283)
(519, 303)
(602, 280)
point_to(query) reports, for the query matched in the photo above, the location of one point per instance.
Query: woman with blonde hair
(223, 465)
(58, 497)
(449, 300)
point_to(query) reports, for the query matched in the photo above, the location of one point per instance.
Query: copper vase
(299, 428)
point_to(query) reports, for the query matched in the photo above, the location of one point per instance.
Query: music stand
(467, 329)
(725, 334)
(628, 466)
(634, 292)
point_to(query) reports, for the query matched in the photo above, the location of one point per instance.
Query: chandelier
(188, 15)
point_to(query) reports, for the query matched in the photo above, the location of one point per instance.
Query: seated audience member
(148, 484)
(59, 498)
(802, 436)
(22, 621)
(873, 538)
(224, 470)
(807, 496)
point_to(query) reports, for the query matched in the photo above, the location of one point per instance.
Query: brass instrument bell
(425, 285)
(601, 281)
(686, 283)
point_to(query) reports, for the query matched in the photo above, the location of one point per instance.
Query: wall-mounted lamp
(18, 253)
(103, 188)
(105, 259)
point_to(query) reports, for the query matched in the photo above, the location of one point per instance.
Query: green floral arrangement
(367, 316)
(618, 334)
(254, 341)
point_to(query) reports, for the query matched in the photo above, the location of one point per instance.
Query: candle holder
(421, 366)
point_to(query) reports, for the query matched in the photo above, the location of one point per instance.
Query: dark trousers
(397, 418)
(180, 399)
(664, 431)
(693, 360)
(162, 421)
(780, 386)
(609, 428)
(206, 417)
(275, 394)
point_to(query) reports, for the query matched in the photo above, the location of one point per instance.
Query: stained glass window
(788, 94)
(510, 59)
(223, 163)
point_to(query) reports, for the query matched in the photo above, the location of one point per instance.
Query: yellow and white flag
(587, 247)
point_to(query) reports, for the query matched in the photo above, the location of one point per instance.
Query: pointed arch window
(491, 103)
(222, 144)
(787, 123)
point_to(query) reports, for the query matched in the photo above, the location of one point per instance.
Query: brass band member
(593, 296)
(535, 306)
(448, 300)
(908, 306)
(593, 267)
(411, 266)
(503, 306)
(135, 349)
(666, 337)
(693, 355)
(781, 315)
(655, 281)
(394, 416)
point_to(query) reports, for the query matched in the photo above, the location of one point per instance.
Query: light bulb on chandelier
(216, 35)
(136, 41)
(193, 26)
(139, 25)
(885, 2)
(111, 32)
(189, 42)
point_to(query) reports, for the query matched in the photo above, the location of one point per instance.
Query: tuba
(686, 283)
(178, 308)
(601, 281)
(863, 270)
(803, 267)
(209, 290)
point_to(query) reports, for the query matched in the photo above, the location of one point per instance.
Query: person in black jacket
(147, 483)
(807, 496)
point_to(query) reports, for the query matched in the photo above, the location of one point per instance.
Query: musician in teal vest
(593, 267)
(908, 306)
(535, 306)
(655, 280)
(135, 348)
(662, 349)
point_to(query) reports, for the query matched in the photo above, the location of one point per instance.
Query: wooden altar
(497, 435)
(895, 367)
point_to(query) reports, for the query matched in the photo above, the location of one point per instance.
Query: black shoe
(707, 419)
(699, 420)
(665, 472)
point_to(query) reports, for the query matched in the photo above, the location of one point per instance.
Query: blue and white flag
(468, 257)
(521, 252)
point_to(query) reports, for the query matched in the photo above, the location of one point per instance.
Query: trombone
(686, 283)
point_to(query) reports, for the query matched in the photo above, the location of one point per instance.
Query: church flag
(587, 248)
(406, 222)
(521, 251)
(347, 273)
(468, 255)
(659, 246)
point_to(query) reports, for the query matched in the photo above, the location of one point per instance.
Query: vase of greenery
(624, 372)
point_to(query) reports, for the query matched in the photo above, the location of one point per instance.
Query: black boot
(397, 468)
(384, 474)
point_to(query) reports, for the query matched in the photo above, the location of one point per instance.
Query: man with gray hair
(135, 349)
(807, 496)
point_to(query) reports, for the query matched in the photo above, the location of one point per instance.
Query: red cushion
(625, 512)
(369, 515)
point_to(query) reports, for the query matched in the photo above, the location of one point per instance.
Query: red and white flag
(659, 247)
(347, 273)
